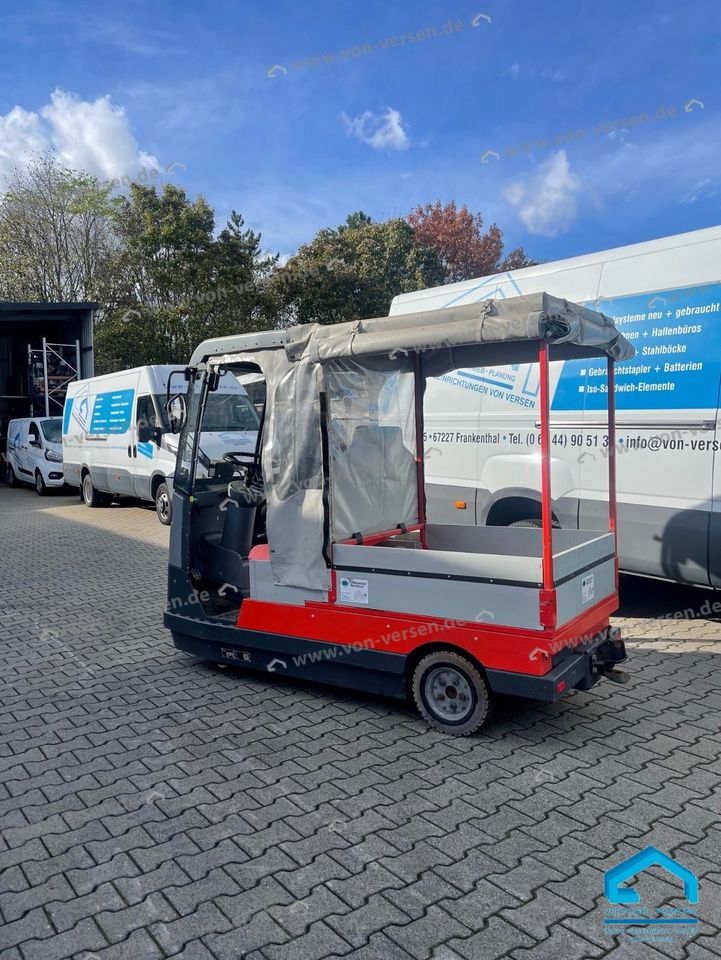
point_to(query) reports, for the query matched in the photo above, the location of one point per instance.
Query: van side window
(145, 414)
(33, 433)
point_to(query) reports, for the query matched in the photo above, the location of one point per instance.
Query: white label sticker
(353, 590)
(588, 588)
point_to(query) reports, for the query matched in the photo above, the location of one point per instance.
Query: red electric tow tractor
(311, 554)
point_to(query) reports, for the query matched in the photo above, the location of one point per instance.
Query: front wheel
(163, 504)
(40, 484)
(11, 478)
(450, 693)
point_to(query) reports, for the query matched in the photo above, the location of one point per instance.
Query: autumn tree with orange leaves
(457, 235)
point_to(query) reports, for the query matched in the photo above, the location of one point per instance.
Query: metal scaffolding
(50, 369)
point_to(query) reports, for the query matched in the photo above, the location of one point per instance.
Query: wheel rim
(39, 483)
(448, 694)
(87, 490)
(163, 506)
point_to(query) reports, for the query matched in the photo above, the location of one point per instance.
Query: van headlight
(54, 457)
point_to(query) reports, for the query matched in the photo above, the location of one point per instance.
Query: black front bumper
(576, 668)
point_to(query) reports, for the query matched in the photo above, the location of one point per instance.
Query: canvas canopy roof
(365, 372)
(511, 323)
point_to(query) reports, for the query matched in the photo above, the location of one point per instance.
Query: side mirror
(35, 443)
(145, 433)
(177, 412)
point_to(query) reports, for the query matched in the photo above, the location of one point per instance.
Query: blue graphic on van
(112, 412)
(66, 415)
(677, 336)
(146, 450)
(497, 287)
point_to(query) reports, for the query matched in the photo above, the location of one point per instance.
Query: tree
(354, 271)
(458, 238)
(56, 234)
(175, 284)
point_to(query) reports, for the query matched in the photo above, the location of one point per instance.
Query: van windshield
(52, 430)
(229, 412)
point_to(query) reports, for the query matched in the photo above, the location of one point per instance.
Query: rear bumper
(575, 669)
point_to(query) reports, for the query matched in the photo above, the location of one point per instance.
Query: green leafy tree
(175, 283)
(353, 271)
(57, 241)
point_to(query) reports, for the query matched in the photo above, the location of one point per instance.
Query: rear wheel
(40, 484)
(450, 693)
(91, 496)
(534, 522)
(163, 505)
(11, 478)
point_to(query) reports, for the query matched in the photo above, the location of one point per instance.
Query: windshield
(229, 412)
(52, 430)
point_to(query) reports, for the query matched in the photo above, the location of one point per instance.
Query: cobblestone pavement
(152, 806)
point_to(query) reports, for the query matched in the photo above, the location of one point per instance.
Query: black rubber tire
(534, 522)
(12, 480)
(40, 487)
(480, 699)
(91, 496)
(163, 505)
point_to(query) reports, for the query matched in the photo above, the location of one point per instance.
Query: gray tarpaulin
(537, 316)
(364, 368)
(372, 444)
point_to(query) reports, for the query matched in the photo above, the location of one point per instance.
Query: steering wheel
(235, 457)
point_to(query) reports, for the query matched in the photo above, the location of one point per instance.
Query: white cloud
(379, 131)
(87, 135)
(547, 202)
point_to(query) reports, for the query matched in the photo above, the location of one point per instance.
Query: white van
(482, 468)
(35, 453)
(117, 440)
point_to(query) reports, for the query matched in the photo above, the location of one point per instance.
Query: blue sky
(125, 86)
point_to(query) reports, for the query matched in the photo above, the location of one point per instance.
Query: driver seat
(226, 558)
(240, 516)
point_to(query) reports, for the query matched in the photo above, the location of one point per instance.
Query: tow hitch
(608, 654)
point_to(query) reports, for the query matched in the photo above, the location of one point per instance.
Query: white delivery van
(117, 440)
(482, 467)
(35, 453)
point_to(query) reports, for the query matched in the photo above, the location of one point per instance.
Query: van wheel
(450, 693)
(12, 480)
(163, 504)
(40, 484)
(535, 522)
(91, 496)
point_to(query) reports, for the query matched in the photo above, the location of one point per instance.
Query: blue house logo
(649, 857)
(662, 924)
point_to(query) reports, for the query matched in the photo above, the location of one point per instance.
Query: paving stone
(495, 940)
(318, 943)
(67, 913)
(85, 936)
(200, 814)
